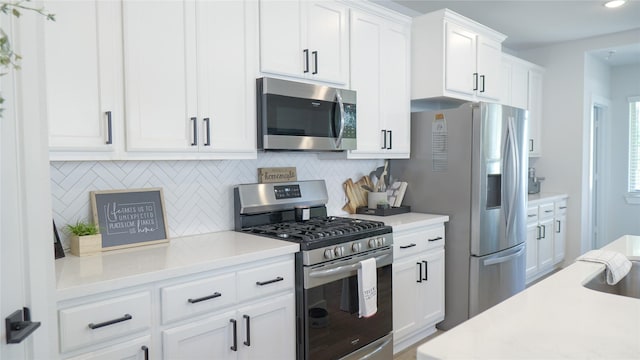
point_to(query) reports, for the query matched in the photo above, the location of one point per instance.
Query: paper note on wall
(439, 143)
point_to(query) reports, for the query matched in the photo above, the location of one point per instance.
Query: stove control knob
(356, 247)
(372, 243)
(380, 241)
(328, 254)
(339, 250)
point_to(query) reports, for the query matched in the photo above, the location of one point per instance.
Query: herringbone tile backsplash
(198, 194)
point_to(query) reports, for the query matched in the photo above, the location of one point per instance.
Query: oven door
(331, 323)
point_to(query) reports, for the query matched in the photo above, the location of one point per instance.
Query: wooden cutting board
(356, 195)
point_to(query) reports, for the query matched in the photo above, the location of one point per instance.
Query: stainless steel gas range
(331, 250)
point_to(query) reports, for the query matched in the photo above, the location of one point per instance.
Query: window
(634, 146)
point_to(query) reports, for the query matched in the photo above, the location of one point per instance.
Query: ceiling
(535, 23)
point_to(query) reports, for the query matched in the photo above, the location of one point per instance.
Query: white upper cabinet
(455, 57)
(195, 97)
(380, 76)
(305, 39)
(176, 85)
(535, 111)
(83, 76)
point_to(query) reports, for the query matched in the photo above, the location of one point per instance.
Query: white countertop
(81, 276)
(406, 221)
(544, 196)
(555, 318)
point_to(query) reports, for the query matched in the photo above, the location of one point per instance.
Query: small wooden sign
(275, 175)
(129, 218)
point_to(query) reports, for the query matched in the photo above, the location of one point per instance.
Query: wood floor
(410, 352)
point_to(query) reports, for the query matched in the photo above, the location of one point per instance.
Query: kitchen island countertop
(555, 318)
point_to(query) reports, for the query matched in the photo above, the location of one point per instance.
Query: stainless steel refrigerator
(471, 163)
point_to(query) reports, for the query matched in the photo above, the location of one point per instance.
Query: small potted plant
(85, 238)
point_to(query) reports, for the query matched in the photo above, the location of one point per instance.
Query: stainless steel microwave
(299, 116)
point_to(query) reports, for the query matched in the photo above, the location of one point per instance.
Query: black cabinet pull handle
(475, 81)
(209, 297)
(248, 319)
(390, 139)
(407, 246)
(207, 130)
(261, 283)
(435, 239)
(126, 317)
(19, 325)
(563, 207)
(483, 82)
(419, 272)
(109, 129)
(559, 226)
(426, 270)
(384, 137)
(315, 62)
(195, 131)
(539, 232)
(530, 145)
(146, 352)
(544, 231)
(306, 60)
(234, 347)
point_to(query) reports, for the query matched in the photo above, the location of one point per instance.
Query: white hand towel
(618, 265)
(367, 288)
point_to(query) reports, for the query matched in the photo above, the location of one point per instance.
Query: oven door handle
(341, 269)
(377, 350)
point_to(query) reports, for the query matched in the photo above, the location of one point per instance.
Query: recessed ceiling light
(614, 3)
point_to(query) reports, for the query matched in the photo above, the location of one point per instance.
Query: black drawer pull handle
(146, 352)
(436, 239)
(531, 215)
(248, 342)
(235, 334)
(209, 297)
(548, 211)
(563, 207)
(407, 246)
(126, 317)
(261, 283)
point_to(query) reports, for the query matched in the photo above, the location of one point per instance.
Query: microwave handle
(342, 116)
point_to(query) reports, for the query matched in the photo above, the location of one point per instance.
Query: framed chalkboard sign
(129, 218)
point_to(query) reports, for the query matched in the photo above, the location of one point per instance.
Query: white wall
(565, 126)
(198, 194)
(621, 218)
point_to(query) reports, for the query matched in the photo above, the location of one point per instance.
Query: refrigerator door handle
(512, 173)
(503, 259)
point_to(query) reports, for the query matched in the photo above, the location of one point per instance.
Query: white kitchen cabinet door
(305, 39)
(380, 62)
(208, 338)
(460, 60)
(406, 298)
(488, 67)
(535, 112)
(520, 87)
(560, 231)
(138, 349)
(267, 330)
(83, 73)
(226, 85)
(159, 63)
(532, 250)
(281, 49)
(432, 287)
(545, 244)
(327, 36)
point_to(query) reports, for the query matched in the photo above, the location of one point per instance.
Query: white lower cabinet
(418, 284)
(242, 312)
(546, 237)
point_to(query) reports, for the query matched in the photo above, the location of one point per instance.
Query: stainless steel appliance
(331, 249)
(299, 116)
(471, 163)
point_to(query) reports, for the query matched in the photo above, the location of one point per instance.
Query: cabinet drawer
(545, 211)
(415, 242)
(561, 207)
(532, 215)
(102, 320)
(265, 280)
(196, 297)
